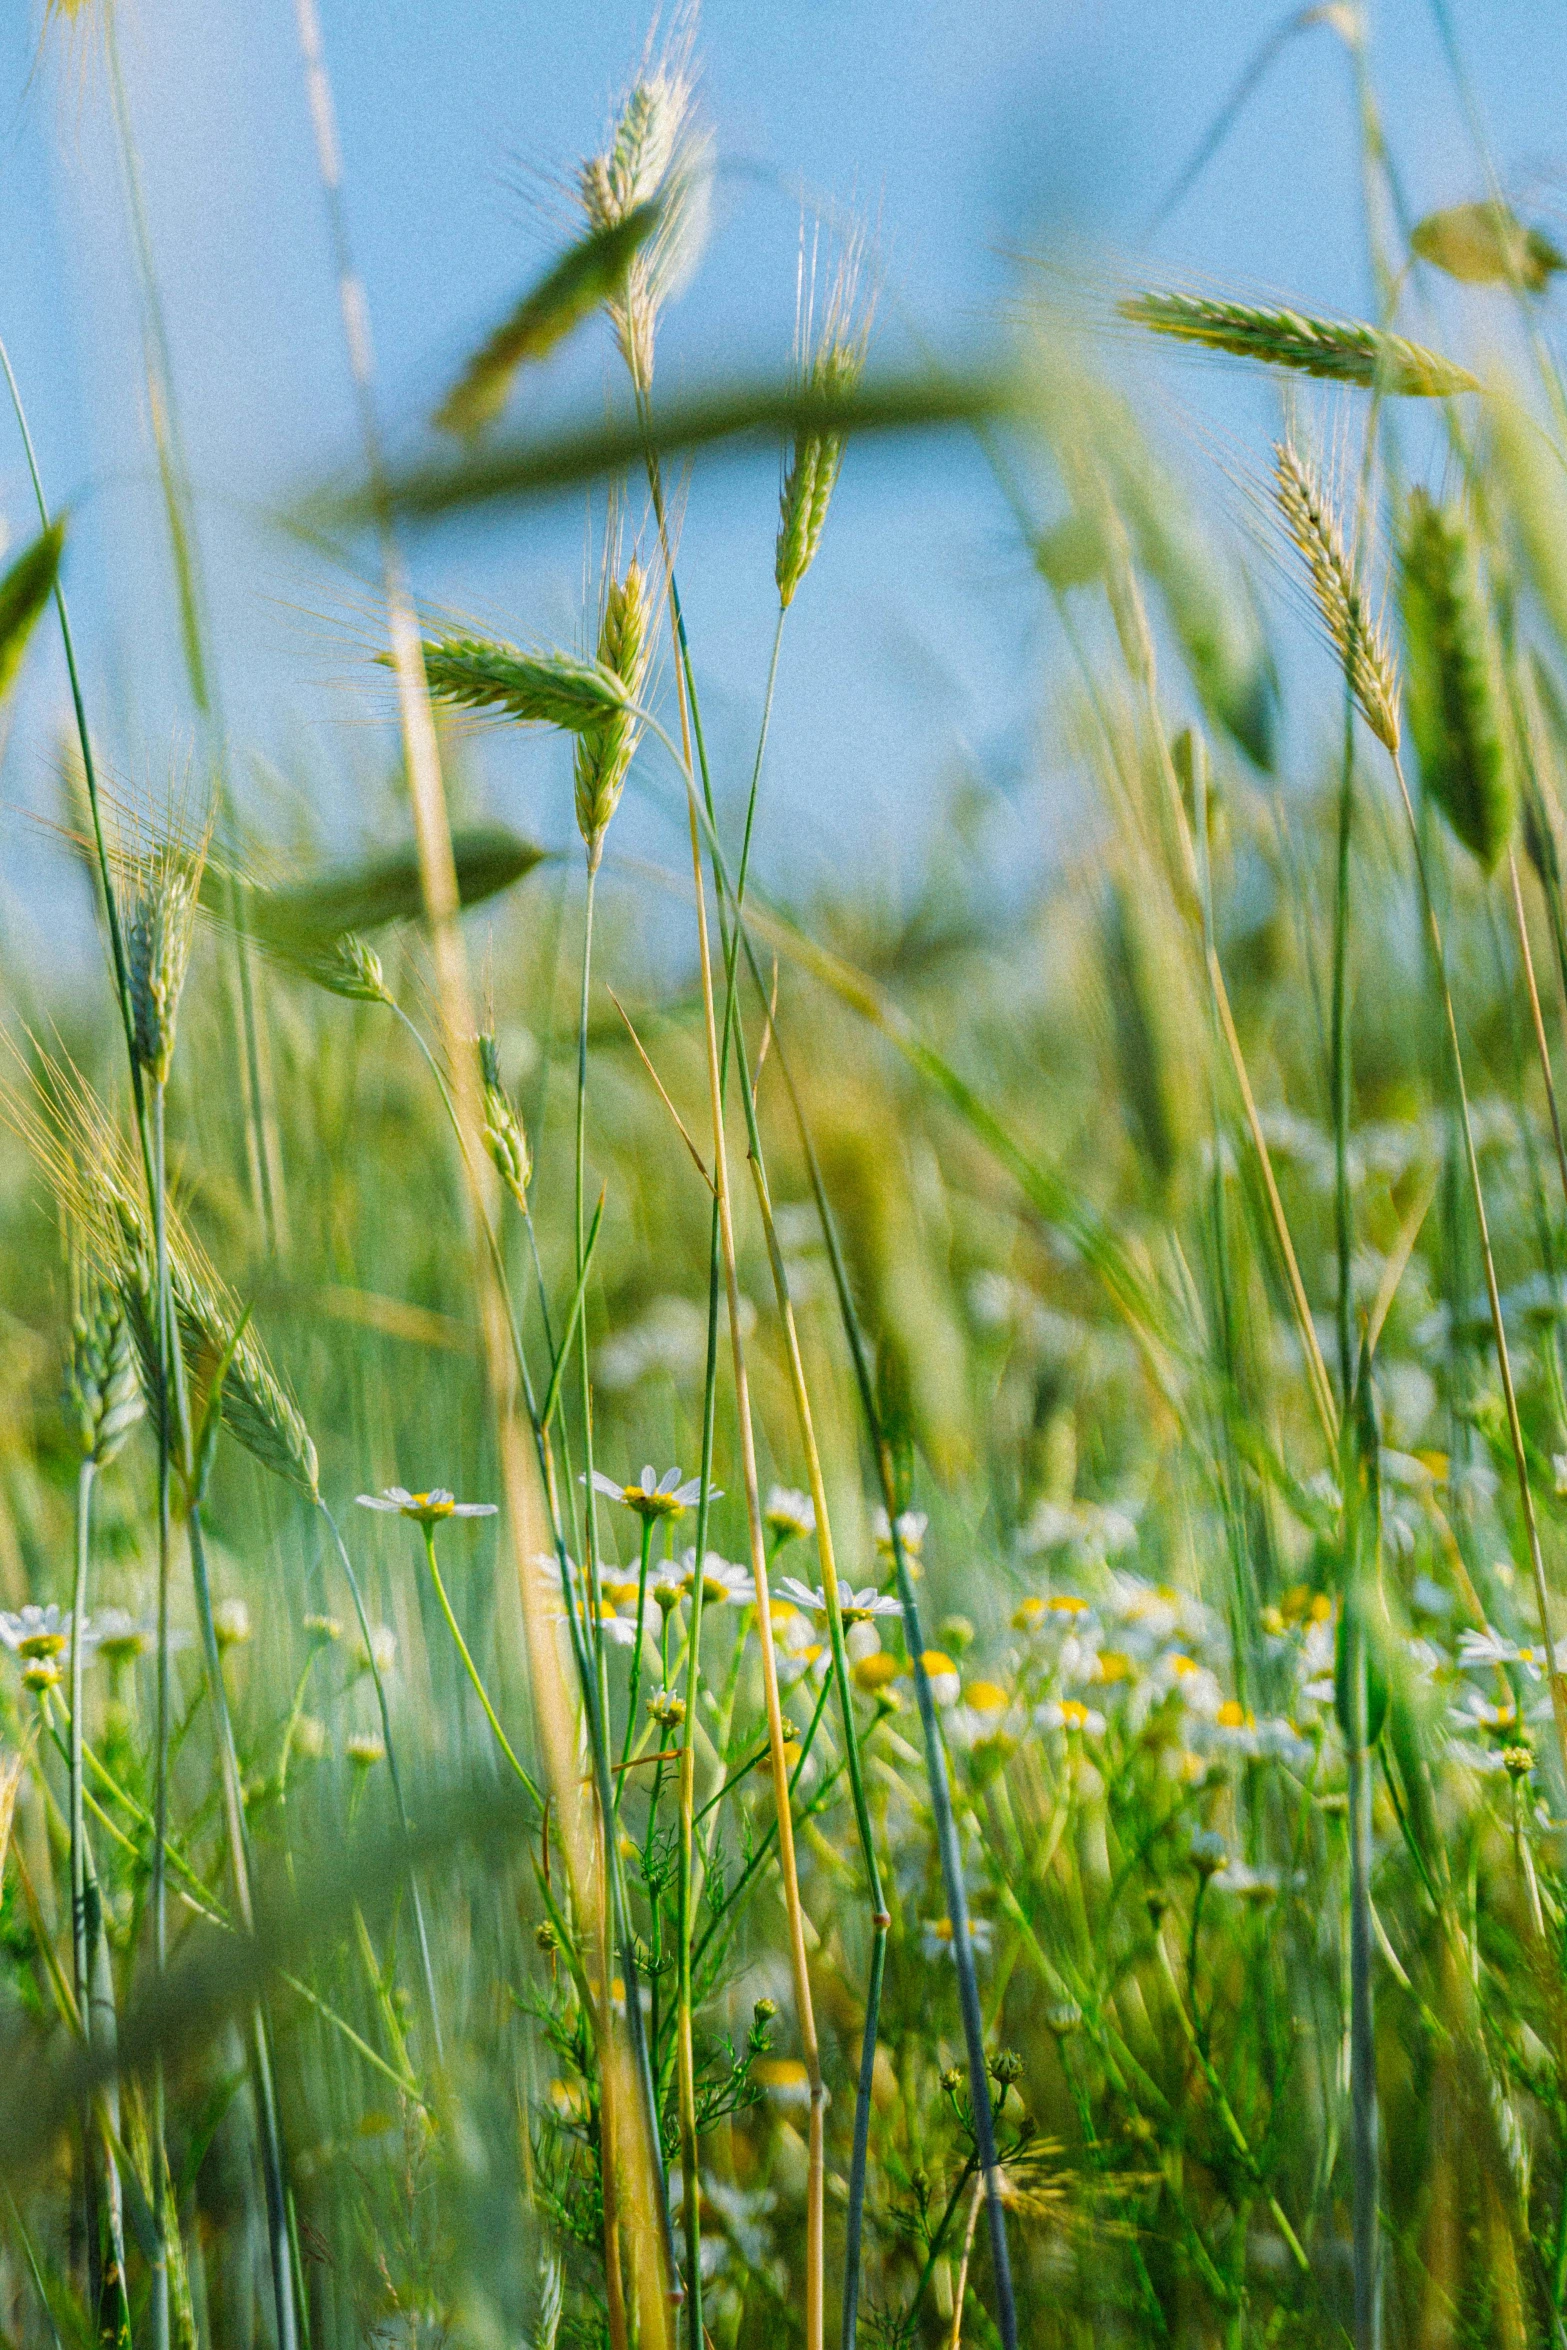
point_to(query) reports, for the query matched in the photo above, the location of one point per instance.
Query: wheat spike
(102, 1390)
(1452, 701)
(604, 751)
(1341, 350)
(158, 939)
(504, 1136)
(1356, 633)
(538, 689)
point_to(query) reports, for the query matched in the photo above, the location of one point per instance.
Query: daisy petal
(474, 1509)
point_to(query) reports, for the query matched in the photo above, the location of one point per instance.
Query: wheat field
(739, 1607)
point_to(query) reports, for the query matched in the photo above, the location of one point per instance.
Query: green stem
(636, 1654)
(270, 2132)
(472, 1670)
(395, 1775)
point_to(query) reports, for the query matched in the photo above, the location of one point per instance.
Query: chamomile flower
(1477, 1650)
(911, 1532)
(875, 1675)
(790, 1514)
(38, 1634)
(856, 1607)
(1070, 1713)
(231, 1623)
(721, 1581)
(120, 1637)
(426, 1509)
(1472, 1713)
(937, 1938)
(942, 1674)
(783, 2080)
(654, 1497)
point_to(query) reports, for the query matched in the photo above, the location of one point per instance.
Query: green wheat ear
(605, 750)
(1340, 350)
(1353, 629)
(537, 689)
(1453, 713)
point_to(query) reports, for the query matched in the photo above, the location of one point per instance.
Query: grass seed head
(536, 689)
(103, 1392)
(604, 751)
(158, 938)
(504, 1135)
(349, 967)
(1354, 630)
(831, 364)
(1341, 350)
(1453, 712)
(657, 157)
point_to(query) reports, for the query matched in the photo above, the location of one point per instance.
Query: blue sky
(967, 134)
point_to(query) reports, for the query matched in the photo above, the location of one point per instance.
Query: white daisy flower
(654, 1497)
(35, 1634)
(721, 1580)
(936, 1937)
(426, 1509)
(790, 1514)
(1069, 1713)
(1477, 1650)
(857, 1607)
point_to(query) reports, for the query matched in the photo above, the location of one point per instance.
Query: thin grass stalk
(582, 1656)
(1131, 620)
(1365, 2157)
(122, 980)
(686, 1890)
(263, 2071)
(723, 1219)
(100, 2171)
(935, 1750)
(1493, 1294)
(1537, 1018)
(395, 1775)
(167, 1341)
(880, 1918)
(685, 1880)
(1340, 1076)
(262, 1153)
(804, 2012)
